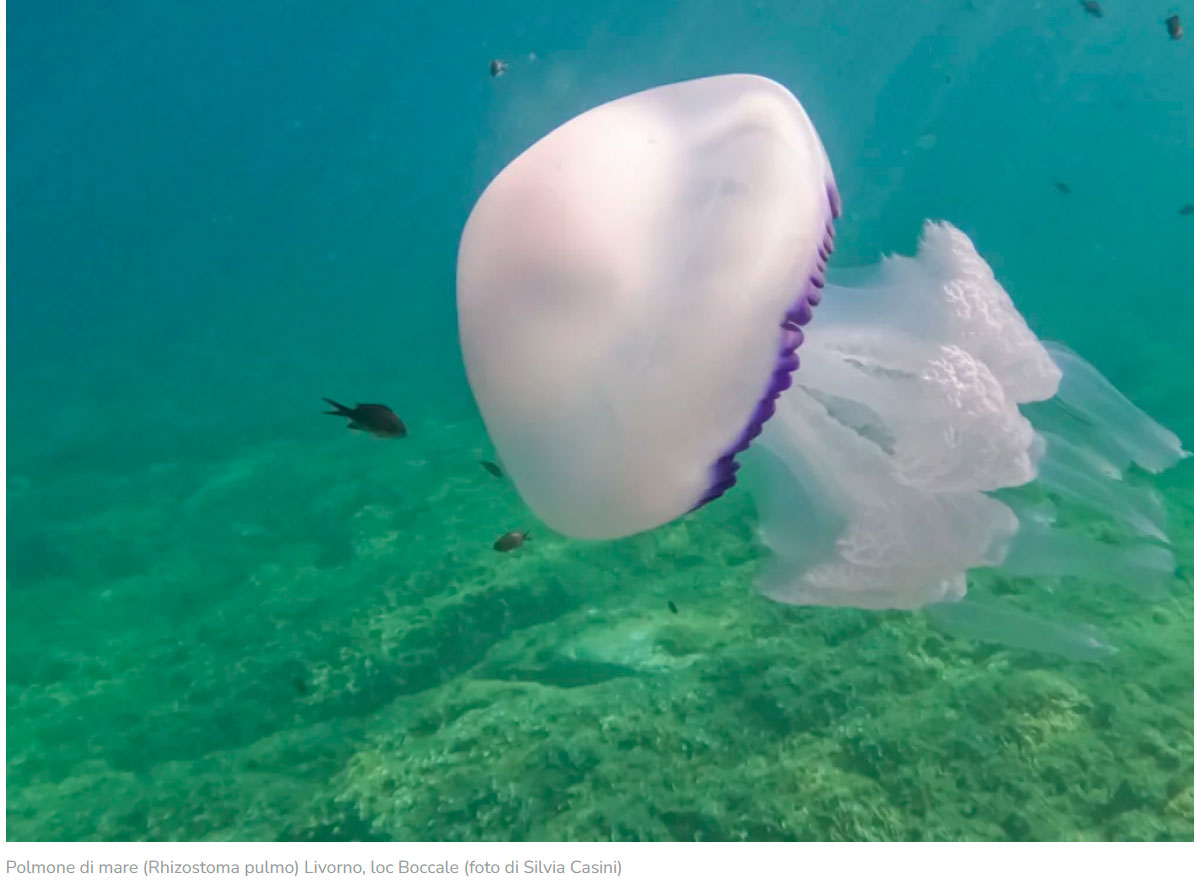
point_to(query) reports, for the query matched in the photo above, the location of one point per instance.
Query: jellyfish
(644, 310)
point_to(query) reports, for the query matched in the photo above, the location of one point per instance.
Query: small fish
(671, 606)
(1062, 186)
(375, 418)
(1187, 209)
(492, 469)
(497, 67)
(1092, 7)
(300, 686)
(511, 541)
(1173, 25)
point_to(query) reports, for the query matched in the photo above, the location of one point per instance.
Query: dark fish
(1173, 25)
(671, 606)
(511, 541)
(1062, 186)
(492, 468)
(1187, 209)
(497, 67)
(300, 686)
(1092, 8)
(373, 417)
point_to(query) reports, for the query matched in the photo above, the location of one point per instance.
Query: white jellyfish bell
(633, 295)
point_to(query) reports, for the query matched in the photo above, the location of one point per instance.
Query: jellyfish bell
(630, 293)
(633, 295)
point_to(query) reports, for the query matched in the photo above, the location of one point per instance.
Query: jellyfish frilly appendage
(924, 394)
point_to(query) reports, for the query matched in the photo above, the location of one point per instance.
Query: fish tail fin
(339, 409)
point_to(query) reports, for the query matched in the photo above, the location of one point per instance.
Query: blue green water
(228, 618)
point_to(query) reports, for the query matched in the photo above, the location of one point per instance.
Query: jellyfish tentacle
(1007, 625)
(1071, 471)
(1112, 416)
(1040, 550)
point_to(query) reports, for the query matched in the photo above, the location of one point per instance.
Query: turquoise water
(228, 618)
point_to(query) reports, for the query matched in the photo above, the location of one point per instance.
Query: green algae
(304, 653)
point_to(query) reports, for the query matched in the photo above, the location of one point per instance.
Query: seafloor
(320, 643)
